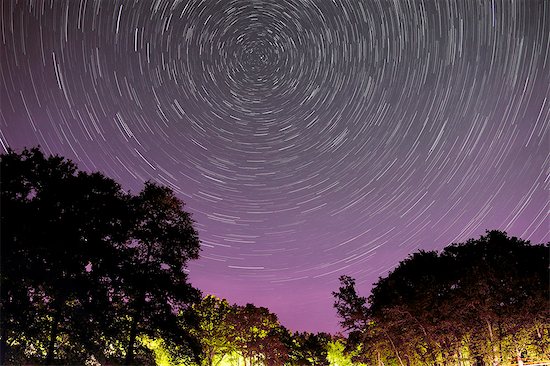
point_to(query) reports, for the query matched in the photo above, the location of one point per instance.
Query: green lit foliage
(239, 335)
(214, 331)
(483, 301)
(337, 355)
(164, 354)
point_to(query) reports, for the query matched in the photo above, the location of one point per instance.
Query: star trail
(309, 138)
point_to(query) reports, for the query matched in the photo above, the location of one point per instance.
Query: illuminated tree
(486, 300)
(213, 331)
(502, 287)
(337, 355)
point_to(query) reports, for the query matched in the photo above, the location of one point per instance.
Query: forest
(94, 275)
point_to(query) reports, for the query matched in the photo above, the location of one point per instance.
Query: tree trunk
(519, 358)
(3, 342)
(380, 363)
(494, 347)
(53, 332)
(539, 338)
(133, 331)
(140, 302)
(130, 351)
(395, 350)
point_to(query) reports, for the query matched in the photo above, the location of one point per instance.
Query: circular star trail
(309, 138)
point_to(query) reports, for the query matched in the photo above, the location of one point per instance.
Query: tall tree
(351, 308)
(76, 250)
(55, 222)
(214, 331)
(257, 335)
(163, 240)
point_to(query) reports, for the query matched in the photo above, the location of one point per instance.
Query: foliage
(214, 331)
(483, 301)
(233, 334)
(87, 268)
(310, 349)
(351, 307)
(162, 240)
(337, 355)
(93, 275)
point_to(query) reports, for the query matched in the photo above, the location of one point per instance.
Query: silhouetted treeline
(91, 274)
(482, 302)
(87, 269)
(94, 275)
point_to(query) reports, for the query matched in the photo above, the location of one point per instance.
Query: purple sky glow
(309, 138)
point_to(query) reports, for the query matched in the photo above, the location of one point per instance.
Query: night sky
(309, 138)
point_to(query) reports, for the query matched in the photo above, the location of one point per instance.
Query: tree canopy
(483, 301)
(91, 274)
(86, 267)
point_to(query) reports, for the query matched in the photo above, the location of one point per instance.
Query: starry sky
(309, 138)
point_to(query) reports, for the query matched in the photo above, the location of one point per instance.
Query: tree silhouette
(55, 221)
(90, 273)
(351, 307)
(486, 300)
(163, 240)
(86, 267)
(310, 349)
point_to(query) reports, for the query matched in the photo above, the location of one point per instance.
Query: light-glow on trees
(214, 331)
(486, 300)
